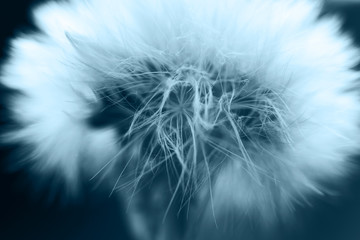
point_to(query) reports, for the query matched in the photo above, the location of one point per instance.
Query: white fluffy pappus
(248, 104)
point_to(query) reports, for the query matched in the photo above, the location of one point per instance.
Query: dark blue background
(96, 216)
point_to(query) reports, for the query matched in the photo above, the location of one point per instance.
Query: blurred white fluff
(280, 45)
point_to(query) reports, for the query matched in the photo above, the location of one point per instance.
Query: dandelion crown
(240, 106)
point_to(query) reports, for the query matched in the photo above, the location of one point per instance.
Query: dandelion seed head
(248, 100)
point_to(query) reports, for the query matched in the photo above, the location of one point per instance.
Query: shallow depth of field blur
(97, 216)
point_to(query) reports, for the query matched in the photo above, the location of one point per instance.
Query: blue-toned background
(27, 214)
